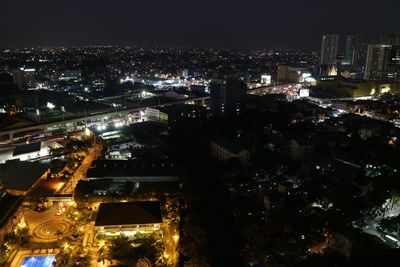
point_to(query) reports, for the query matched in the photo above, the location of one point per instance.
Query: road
(81, 171)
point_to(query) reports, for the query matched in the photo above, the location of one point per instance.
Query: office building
(24, 78)
(227, 96)
(357, 47)
(383, 62)
(329, 50)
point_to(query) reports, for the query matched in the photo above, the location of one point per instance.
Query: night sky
(193, 23)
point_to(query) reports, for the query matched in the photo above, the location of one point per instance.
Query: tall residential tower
(329, 50)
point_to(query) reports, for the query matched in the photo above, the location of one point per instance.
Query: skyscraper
(24, 78)
(391, 39)
(383, 62)
(227, 96)
(329, 50)
(356, 48)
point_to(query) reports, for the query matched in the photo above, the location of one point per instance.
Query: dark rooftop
(28, 148)
(45, 188)
(131, 168)
(21, 175)
(126, 213)
(8, 206)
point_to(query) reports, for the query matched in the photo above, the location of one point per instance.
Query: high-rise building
(356, 48)
(227, 96)
(391, 39)
(329, 49)
(383, 62)
(24, 78)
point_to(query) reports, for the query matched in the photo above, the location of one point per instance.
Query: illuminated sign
(304, 93)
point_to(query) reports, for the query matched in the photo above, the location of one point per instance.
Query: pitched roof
(127, 213)
(21, 175)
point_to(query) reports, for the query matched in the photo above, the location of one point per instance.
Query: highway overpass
(100, 116)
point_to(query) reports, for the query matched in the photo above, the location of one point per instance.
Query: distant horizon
(154, 46)
(252, 24)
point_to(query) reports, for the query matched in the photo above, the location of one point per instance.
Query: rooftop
(28, 148)
(127, 213)
(131, 168)
(21, 175)
(8, 206)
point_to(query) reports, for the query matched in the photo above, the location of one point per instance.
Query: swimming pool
(38, 261)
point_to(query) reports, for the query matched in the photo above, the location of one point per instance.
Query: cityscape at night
(184, 134)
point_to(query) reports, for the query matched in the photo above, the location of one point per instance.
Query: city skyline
(257, 24)
(183, 133)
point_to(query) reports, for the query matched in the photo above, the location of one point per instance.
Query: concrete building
(128, 218)
(134, 171)
(227, 96)
(329, 50)
(224, 150)
(357, 47)
(19, 177)
(383, 62)
(24, 78)
(343, 87)
(291, 74)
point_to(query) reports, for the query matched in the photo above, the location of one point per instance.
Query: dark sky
(194, 23)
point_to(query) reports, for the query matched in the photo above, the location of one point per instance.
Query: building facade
(329, 50)
(383, 62)
(227, 96)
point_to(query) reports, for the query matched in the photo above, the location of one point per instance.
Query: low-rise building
(10, 211)
(223, 150)
(19, 177)
(128, 218)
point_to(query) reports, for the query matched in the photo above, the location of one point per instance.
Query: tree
(3, 253)
(19, 237)
(148, 248)
(81, 259)
(62, 259)
(121, 247)
(58, 234)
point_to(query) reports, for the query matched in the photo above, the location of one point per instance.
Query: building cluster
(283, 158)
(365, 56)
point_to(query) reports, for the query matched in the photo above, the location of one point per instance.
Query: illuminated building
(329, 50)
(24, 78)
(224, 150)
(383, 62)
(227, 96)
(357, 47)
(134, 170)
(332, 70)
(265, 79)
(291, 74)
(19, 177)
(356, 88)
(128, 218)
